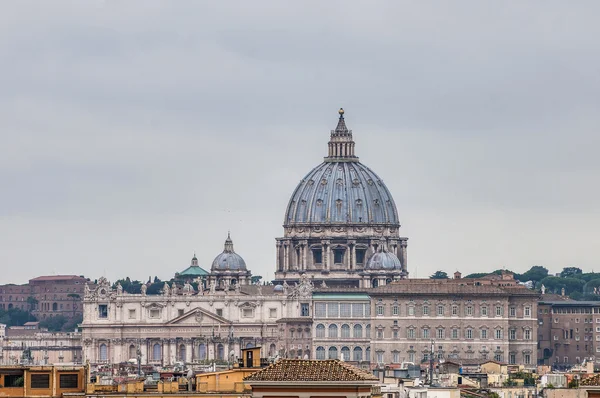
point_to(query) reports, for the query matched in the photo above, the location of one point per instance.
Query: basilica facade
(340, 291)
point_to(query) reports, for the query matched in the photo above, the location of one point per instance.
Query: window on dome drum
(360, 256)
(317, 256)
(338, 256)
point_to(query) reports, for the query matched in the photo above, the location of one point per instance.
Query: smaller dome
(383, 260)
(229, 260)
(278, 289)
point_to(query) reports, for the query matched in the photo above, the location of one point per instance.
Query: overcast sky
(133, 133)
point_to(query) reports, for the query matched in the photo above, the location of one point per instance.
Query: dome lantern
(341, 145)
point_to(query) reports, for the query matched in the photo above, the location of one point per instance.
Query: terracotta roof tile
(311, 370)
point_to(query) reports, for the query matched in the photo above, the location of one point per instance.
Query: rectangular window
(338, 256)
(440, 333)
(512, 312)
(395, 310)
(304, 309)
(396, 357)
(425, 310)
(425, 333)
(440, 310)
(272, 312)
(380, 310)
(410, 333)
(527, 359)
(40, 380)
(411, 311)
(317, 256)
(512, 334)
(527, 334)
(411, 357)
(484, 311)
(180, 312)
(320, 310)
(484, 334)
(395, 334)
(103, 311)
(498, 311)
(512, 359)
(360, 256)
(454, 333)
(469, 333)
(498, 334)
(247, 312)
(69, 381)
(154, 313)
(345, 310)
(358, 310)
(333, 310)
(219, 311)
(131, 314)
(454, 310)
(379, 334)
(527, 312)
(469, 311)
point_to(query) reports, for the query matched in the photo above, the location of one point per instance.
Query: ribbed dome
(229, 260)
(341, 192)
(383, 260)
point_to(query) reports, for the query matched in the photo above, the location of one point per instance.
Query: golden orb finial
(341, 111)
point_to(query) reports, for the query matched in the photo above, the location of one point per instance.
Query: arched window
(368, 331)
(345, 331)
(220, 352)
(345, 353)
(202, 352)
(132, 352)
(375, 283)
(333, 353)
(320, 330)
(368, 354)
(249, 345)
(306, 354)
(54, 307)
(156, 352)
(333, 331)
(292, 354)
(272, 350)
(103, 352)
(357, 354)
(182, 353)
(320, 352)
(357, 331)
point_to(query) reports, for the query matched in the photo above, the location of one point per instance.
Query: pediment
(198, 316)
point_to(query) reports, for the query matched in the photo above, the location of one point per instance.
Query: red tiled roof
(311, 370)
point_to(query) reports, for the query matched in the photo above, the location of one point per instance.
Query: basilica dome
(383, 260)
(229, 260)
(341, 189)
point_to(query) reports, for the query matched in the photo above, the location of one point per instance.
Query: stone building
(46, 296)
(341, 224)
(183, 325)
(460, 318)
(569, 331)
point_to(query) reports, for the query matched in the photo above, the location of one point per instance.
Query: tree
(568, 272)
(439, 275)
(535, 274)
(477, 275)
(555, 284)
(33, 302)
(74, 297)
(54, 323)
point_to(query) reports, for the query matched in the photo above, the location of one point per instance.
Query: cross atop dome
(341, 145)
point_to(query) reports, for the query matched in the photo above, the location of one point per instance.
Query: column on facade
(325, 254)
(286, 258)
(278, 256)
(403, 256)
(352, 261)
